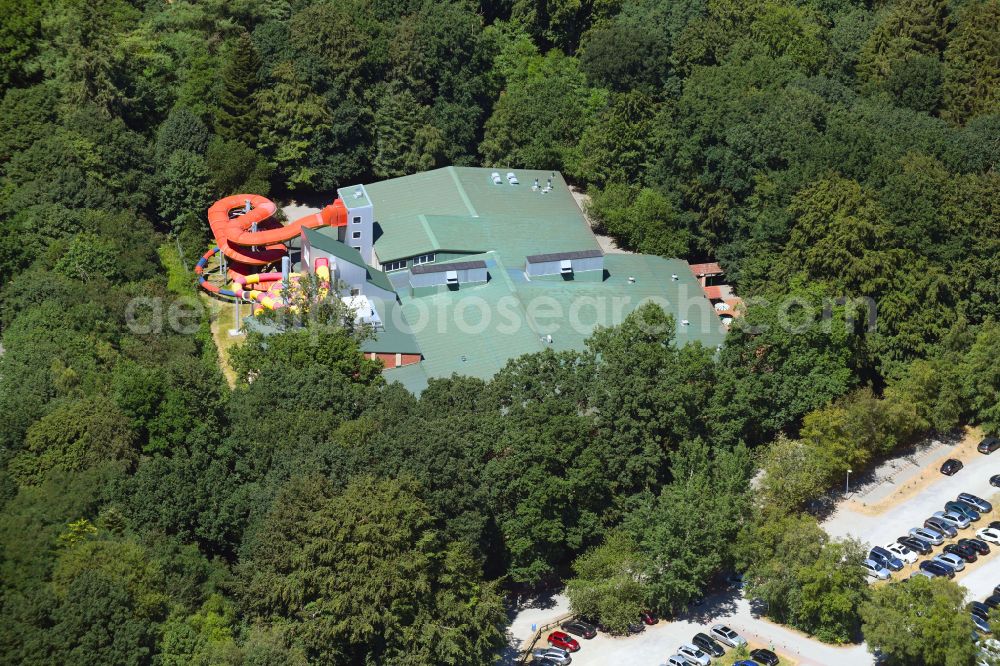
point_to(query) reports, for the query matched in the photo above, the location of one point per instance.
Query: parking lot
(908, 507)
(657, 642)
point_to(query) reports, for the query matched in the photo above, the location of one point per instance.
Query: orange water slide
(239, 236)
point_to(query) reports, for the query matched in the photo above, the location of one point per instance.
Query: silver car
(727, 636)
(875, 570)
(953, 518)
(677, 660)
(694, 655)
(929, 535)
(951, 560)
(553, 655)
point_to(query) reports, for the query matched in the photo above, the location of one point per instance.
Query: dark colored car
(580, 628)
(708, 645)
(962, 509)
(976, 502)
(561, 639)
(981, 624)
(995, 524)
(988, 445)
(944, 528)
(980, 609)
(977, 545)
(951, 466)
(993, 601)
(995, 480)
(885, 558)
(965, 552)
(913, 543)
(762, 656)
(937, 569)
(648, 618)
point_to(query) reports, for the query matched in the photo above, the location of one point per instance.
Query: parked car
(977, 503)
(995, 480)
(915, 544)
(708, 644)
(981, 624)
(993, 601)
(553, 655)
(885, 558)
(762, 656)
(988, 445)
(928, 534)
(995, 524)
(951, 466)
(979, 608)
(936, 568)
(875, 570)
(902, 552)
(941, 526)
(677, 660)
(977, 545)
(727, 636)
(989, 534)
(967, 553)
(648, 618)
(953, 518)
(963, 509)
(694, 655)
(746, 662)
(951, 560)
(580, 628)
(561, 639)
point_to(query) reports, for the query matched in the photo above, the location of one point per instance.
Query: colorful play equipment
(248, 236)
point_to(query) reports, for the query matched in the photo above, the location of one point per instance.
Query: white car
(989, 534)
(950, 559)
(727, 636)
(957, 521)
(875, 570)
(902, 552)
(677, 660)
(694, 655)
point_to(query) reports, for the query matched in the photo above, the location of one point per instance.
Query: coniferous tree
(237, 116)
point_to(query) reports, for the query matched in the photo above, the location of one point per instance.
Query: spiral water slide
(248, 235)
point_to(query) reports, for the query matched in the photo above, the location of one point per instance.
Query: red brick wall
(389, 360)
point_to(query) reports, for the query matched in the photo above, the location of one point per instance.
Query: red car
(648, 618)
(561, 639)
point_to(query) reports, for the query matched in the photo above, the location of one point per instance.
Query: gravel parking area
(656, 643)
(897, 514)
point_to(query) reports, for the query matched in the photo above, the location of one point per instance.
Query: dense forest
(153, 514)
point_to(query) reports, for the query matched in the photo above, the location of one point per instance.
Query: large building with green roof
(487, 265)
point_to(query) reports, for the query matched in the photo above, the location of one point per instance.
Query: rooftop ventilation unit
(358, 193)
(512, 179)
(495, 177)
(566, 267)
(674, 277)
(631, 280)
(451, 277)
(685, 322)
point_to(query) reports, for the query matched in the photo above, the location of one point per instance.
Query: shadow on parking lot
(706, 610)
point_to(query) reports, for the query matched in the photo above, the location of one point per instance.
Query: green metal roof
(460, 209)
(395, 336)
(478, 328)
(412, 377)
(349, 195)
